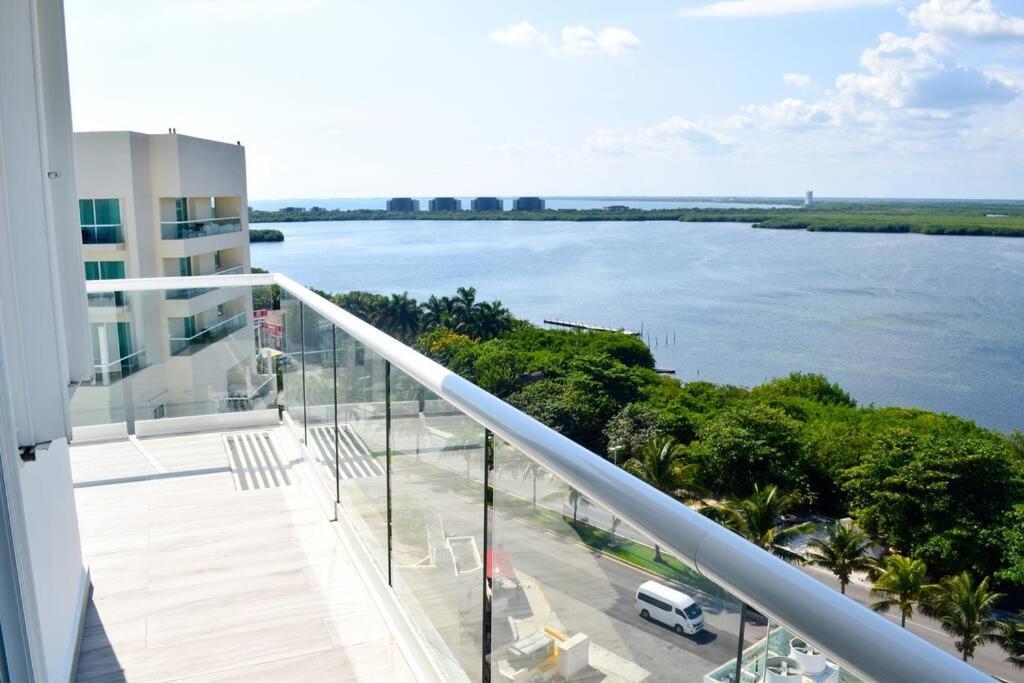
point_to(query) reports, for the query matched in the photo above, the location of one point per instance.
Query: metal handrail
(859, 639)
(209, 329)
(210, 219)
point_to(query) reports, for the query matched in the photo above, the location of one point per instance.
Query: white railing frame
(859, 639)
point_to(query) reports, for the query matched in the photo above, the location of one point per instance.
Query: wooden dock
(587, 326)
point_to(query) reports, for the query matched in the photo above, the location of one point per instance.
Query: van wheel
(645, 614)
(678, 628)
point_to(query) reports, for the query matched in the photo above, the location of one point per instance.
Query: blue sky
(739, 97)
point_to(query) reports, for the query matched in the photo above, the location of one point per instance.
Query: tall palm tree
(843, 551)
(399, 316)
(437, 312)
(758, 518)
(661, 465)
(964, 608)
(1012, 640)
(900, 585)
(462, 308)
(577, 500)
(530, 468)
(490, 319)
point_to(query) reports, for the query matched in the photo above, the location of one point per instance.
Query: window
(99, 211)
(160, 412)
(181, 209)
(643, 597)
(216, 260)
(691, 612)
(185, 266)
(104, 270)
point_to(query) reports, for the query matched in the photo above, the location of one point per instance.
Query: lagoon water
(934, 322)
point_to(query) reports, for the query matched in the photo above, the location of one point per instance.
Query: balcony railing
(192, 292)
(103, 234)
(119, 368)
(183, 230)
(515, 552)
(210, 335)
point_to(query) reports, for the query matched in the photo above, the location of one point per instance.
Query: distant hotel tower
(403, 204)
(445, 204)
(487, 204)
(528, 204)
(808, 197)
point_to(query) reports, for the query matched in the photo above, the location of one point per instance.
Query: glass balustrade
(506, 570)
(183, 230)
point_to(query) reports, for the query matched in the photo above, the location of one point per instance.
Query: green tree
(490, 319)
(576, 500)
(629, 431)
(463, 304)
(437, 312)
(964, 608)
(399, 316)
(574, 406)
(939, 499)
(843, 551)
(812, 387)
(661, 464)
(901, 585)
(751, 443)
(759, 519)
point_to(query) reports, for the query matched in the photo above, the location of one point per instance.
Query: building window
(105, 270)
(185, 266)
(100, 220)
(216, 260)
(181, 209)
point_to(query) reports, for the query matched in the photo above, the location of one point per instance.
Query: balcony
(184, 230)
(469, 541)
(103, 234)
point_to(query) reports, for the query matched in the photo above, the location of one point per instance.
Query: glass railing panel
(102, 234)
(437, 507)
(291, 359)
(361, 377)
(145, 370)
(564, 576)
(183, 230)
(320, 416)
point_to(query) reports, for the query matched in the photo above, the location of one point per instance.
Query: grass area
(1000, 219)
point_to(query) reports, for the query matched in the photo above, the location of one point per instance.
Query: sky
(337, 98)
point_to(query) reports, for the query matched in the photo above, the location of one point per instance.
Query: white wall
(55, 550)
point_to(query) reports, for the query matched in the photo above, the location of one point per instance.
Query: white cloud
(613, 41)
(523, 34)
(788, 113)
(760, 8)
(675, 135)
(973, 18)
(919, 74)
(799, 81)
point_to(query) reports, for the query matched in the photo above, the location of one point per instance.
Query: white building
(151, 206)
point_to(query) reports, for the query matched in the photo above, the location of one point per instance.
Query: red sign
(262, 313)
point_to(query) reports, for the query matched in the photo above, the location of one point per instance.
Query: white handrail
(118, 360)
(209, 329)
(202, 220)
(861, 640)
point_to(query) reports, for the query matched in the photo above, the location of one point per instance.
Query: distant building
(528, 204)
(403, 204)
(445, 204)
(808, 197)
(487, 204)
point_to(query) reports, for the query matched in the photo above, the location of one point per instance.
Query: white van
(670, 607)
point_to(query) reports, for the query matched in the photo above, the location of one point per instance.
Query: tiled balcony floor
(195, 580)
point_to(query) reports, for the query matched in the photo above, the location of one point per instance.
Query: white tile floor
(193, 580)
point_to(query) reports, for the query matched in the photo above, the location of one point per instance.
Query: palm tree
(843, 552)
(437, 312)
(530, 468)
(577, 500)
(490, 319)
(660, 465)
(1012, 640)
(462, 308)
(900, 585)
(399, 316)
(758, 517)
(964, 608)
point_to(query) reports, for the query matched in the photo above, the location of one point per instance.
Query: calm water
(913, 320)
(380, 203)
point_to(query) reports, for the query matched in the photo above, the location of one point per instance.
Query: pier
(593, 328)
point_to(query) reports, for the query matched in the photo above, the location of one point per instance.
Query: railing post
(334, 374)
(488, 558)
(739, 644)
(302, 355)
(387, 458)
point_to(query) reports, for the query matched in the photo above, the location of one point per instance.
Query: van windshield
(692, 612)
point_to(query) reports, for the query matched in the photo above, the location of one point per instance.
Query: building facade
(528, 204)
(403, 204)
(164, 205)
(488, 204)
(445, 204)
